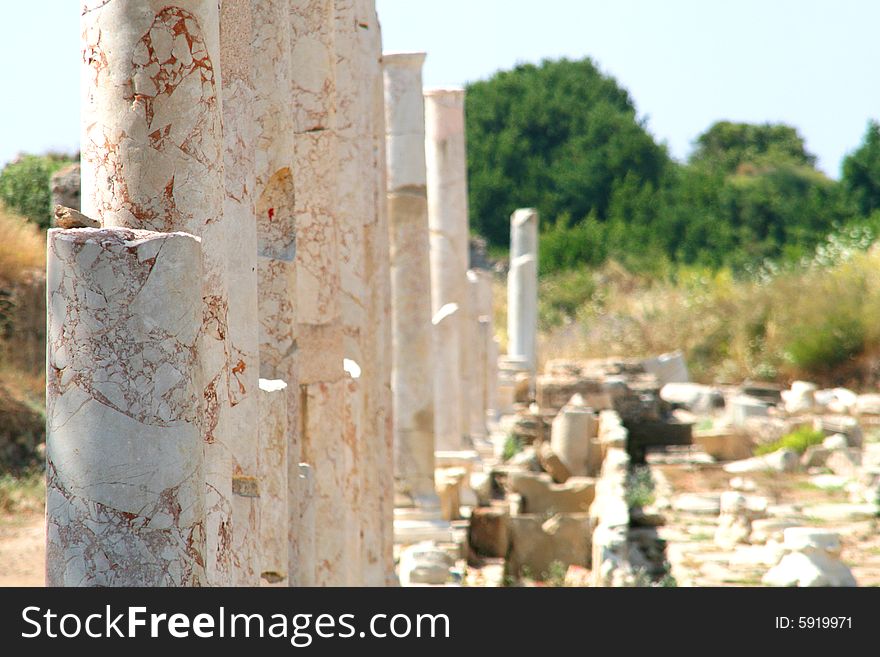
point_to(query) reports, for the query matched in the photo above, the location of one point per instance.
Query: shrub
(25, 186)
(561, 295)
(640, 487)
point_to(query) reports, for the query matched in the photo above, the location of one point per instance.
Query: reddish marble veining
(125, 500)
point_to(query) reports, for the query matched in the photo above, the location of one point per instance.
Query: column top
(523, 215)
(404, 59)
(445, 91)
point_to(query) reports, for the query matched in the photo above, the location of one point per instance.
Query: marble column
(494, 349)
(276, 243)
(239, 136)
(412, 378)
(125, 502)
(448, 224)
(274, 516)
(303, 567)
(320, 330)
(522, 288)
(152, 158)
(479, 332)
(354, 215)
(379, 546)
(446, 337)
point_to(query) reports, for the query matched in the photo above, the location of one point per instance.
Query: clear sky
(687, 63)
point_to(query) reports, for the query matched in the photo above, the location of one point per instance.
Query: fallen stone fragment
(70, 218)
(425, 563)
(844, 462)
(541, 495)
(536, 543)
(783, 460)
(811, 559)
(552, 464)
(488, 532)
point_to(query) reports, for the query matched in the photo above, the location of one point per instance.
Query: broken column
(236, 30)
(413, 370)
(320, 331)
(125, 458)
(573, 430)
(522, 288)
(446, 171)
(152, 154)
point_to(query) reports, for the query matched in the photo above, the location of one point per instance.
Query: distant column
(125, 498)
(412, 378)
(480, 332)
(152, 158)
(448, 224)
(522, 287)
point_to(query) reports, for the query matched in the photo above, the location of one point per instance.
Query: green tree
(728, 146)
(861, 172)
(749, 193)
(25, 186)
(559, 137)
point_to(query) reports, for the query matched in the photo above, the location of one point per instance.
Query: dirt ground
(22, 549)
(696, 560)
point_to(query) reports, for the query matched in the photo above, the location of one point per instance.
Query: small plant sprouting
(640, 487)
(512, 447)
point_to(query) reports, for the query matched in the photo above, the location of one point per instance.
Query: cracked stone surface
(125, 477)
(152, 154)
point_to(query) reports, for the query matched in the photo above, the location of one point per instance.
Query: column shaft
(412, 378)
(125, 460)
(152, 158)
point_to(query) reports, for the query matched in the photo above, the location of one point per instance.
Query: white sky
(687, 63)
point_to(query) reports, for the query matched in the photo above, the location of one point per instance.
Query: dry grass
(22, 344)
(22, 494)
(22, 248)
(820, 320)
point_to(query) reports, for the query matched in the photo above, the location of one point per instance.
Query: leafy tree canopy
(565, 138)
(25, 186)
(729, 147)
(861, 171)
(559, 137)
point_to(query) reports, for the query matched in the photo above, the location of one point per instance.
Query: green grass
(798, 441)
